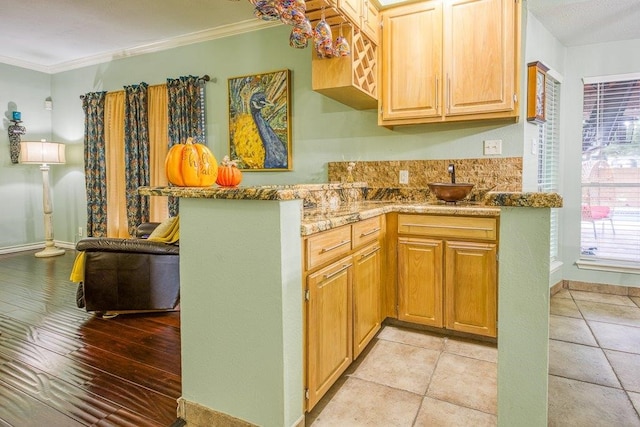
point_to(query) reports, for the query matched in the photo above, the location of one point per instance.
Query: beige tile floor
(407, 377)
(594, 359)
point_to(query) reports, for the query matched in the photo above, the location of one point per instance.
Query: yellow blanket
(167, 232)
(77, 272)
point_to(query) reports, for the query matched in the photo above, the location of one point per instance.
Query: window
(610, 211)
(549, 153)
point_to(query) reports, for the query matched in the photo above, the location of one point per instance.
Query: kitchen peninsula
(242, 300)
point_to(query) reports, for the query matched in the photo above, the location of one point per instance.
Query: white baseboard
(34, 246)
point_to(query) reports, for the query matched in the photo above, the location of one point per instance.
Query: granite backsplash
(496, 174)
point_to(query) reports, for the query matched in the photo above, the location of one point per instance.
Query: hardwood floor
(61, 366)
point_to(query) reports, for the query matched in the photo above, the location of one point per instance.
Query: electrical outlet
(534, 145)
(492, 147)
(79, 231)
(404, 177)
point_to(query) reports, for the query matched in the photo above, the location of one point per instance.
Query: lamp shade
(41, 152)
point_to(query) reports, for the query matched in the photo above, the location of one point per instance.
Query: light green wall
(241, 308)
(20, 185)
(323, 130)
(548, 50)
(523, 317)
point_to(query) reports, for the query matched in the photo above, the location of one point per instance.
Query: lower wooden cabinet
(470, 287)
(367, 289)
(444, 281)
(448, 283)
(329, 327)
(420, 293)
(343, 309)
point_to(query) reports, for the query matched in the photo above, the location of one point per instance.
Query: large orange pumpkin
(191, 165)
(228, 173)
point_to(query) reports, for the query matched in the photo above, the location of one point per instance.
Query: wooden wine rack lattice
(363, 51)
(364, 57)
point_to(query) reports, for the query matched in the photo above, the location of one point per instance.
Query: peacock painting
(259, 122)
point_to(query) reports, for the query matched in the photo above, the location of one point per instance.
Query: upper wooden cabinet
(370, 24)
(351, 79)
(411, 62)
(450, 60)
(364, 15)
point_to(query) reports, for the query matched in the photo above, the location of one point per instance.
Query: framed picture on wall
(536, 83)
(260, 121)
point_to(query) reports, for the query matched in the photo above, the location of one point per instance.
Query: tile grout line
(586, 321)
(426, 390)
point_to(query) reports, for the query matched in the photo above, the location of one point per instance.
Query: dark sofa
(129, 275)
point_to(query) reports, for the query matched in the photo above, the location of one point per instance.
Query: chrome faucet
(452, 171)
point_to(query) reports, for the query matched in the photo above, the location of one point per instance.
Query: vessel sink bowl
(450, 192)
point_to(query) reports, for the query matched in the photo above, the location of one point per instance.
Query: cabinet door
(329, 327)
(470, 287)
(420, 281)
(411, 61)
(370, 25)
(479, 56)
(351, 8)
(366, 296)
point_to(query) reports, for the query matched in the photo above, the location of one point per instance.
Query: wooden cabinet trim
(456, 227)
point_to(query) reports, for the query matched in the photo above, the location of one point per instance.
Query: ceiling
(582, 22)
(57, 35)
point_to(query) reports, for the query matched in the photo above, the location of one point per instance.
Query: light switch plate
(492, 147)
(404, 177)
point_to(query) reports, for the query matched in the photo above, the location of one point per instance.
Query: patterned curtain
(136, 153)
(186, 115)
(94, 163)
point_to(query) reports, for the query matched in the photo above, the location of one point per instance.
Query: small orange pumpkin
(228, 173)
(191, 165)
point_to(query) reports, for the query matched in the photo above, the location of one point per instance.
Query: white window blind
(549, 153)
(610, 211)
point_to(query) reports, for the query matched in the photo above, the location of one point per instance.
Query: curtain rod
(204, 78)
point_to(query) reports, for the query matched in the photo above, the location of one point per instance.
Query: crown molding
(184, 40)
(24, 64)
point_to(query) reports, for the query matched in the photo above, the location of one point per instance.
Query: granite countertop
(262, 192)
(300, 191)
(322, 217)
(317, 219)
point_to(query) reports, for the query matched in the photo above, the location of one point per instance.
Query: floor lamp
(44, 153)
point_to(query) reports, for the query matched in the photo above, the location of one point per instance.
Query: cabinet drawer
(326, 246)
(448, 226)
(366, 231)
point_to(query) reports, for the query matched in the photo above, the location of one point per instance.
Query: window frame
(604, 107)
